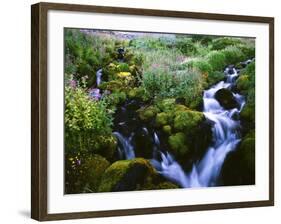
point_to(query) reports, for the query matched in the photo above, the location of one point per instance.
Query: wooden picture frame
(39, 110)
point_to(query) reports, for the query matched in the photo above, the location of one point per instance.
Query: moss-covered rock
(243, 83)
(187, 120)
(248, 113)
(147, 113)
(178, 145)
(136, 92)
(167, 104)
(167, 129)
(126, 175)
(92, 170)
(106, 146)
(159, 186)
(117, 98)
(239, 166)
(226, 98)
(113, 86)
(161, 119)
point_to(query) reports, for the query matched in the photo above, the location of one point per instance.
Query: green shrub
(85, 120)
(217, 60)
(233, 55)
(186, 46)
(85, 54)
(247, 50)
(202, 65)
(223, 42)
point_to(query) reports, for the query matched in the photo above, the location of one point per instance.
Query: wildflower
(73, 83)
(95, 93)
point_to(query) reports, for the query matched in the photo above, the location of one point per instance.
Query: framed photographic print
(139, 111)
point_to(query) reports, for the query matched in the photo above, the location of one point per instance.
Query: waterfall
(127, 150)
(225, 139)
(98, 76)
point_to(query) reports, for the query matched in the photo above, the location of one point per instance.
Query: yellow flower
(123, 74)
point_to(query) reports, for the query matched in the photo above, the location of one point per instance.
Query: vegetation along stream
(158, 111)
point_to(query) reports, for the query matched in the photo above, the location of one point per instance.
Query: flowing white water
(225, 131)
(98, 76)
(127, 148)
(225, 139)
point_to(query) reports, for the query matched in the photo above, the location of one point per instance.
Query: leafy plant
(85, 120)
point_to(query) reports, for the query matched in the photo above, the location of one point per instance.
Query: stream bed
(137, 139)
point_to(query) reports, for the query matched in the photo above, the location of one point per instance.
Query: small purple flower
(95, 94)
(78, 162)
(72, 83)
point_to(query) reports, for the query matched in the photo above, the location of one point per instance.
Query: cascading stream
(225, 139)
(225, 132)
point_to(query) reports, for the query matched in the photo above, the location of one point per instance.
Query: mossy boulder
(113, 86)
(117, 97)
(186, 120)
(239, 166)
(147, 113)
(161, 119)
(92, 169)
(177, 143)
(248, 113)
(167, 104)
(159, 186)
(243, 83)
(226, 99)
(136, 92)
(127, 175)
(106, 146)
(167, 129)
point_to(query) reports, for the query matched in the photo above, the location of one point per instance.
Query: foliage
(85, 119)
(217, 60)
(85, 54)
(187, 84)
(223, 42)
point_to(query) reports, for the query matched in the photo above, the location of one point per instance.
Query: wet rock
(178, 145)
(127, 175)
(239, 166)
(226, 99)
(143, 143)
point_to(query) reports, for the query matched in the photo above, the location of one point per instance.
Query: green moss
(167, 129)
(125, 175)
(177, 143)
(239, 166)
(106, 146)
(243, 82)
(114, 85)
(248, 113)
(187, 120)
(92, 170)
(180, 107)
(161, 119)
(147, 113)
(166, 104)
(166, 185)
